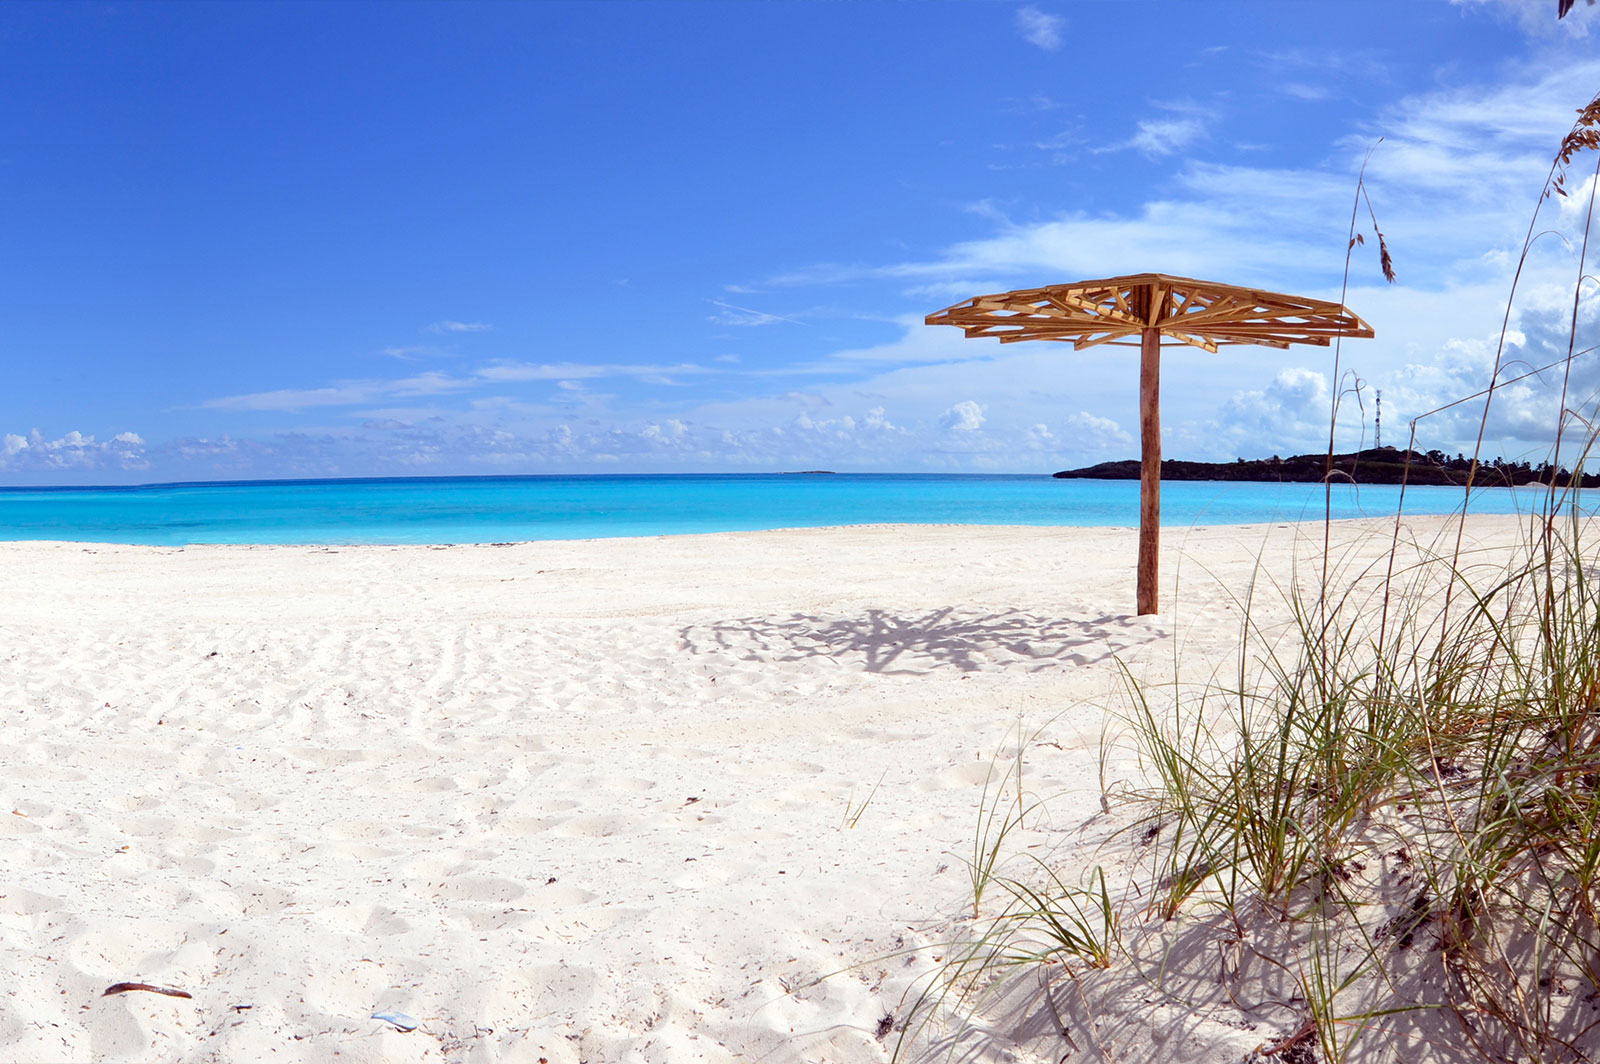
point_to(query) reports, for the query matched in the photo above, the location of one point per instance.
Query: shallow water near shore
(501, 509)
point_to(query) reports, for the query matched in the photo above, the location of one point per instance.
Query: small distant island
(810, 473)
(1375, 465)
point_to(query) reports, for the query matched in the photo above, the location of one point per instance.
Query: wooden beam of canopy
(1149, 310)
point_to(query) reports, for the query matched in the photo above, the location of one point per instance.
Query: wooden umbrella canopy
(1149, 310)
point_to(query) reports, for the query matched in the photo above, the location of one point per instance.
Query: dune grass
(1432, 776)
(1391, 805)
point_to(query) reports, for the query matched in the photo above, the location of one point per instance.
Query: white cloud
(459, 327)
(965, 416)
(1452, 183)
(1524, 414)
(1483, 150)
(916, 343)
(74, 451)
(1538, 19)
(670, 431)
(876, 421)
(1290, 413)
(1040, 29)
(1090, 431)
(1244, 225)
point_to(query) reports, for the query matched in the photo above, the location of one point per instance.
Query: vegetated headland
(1375, 465)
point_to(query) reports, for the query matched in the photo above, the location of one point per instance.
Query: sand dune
(584, 801)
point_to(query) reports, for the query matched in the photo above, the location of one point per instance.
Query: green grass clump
(1380, 834)
(1433, 773)
(1388, 814)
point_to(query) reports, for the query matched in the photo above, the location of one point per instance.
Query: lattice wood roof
(1117, 310)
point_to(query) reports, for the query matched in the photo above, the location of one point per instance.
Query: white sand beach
(566, 801)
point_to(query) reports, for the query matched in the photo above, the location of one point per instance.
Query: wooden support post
(1149, 581)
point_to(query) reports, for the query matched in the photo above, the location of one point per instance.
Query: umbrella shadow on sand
(883, 641)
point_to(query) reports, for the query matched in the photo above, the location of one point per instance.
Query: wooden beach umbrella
(1148, 310)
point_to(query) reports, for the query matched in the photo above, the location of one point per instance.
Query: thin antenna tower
(1377, 423)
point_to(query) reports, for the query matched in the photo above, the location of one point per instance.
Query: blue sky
(288, 240)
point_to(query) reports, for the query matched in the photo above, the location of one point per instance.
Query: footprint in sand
(971, 774)
(144, 827)
(384, 922)
(590, 827)
(23, 910)
(14, 825)
(423, 785)
(345, 990)
(138, 947)
(776, 769)
(472, 889)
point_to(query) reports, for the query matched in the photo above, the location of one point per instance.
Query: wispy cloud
(1481, 149)
(1196, 235)
(553, 371)
(412, 353)
(442, 327)
(916, 344)
(366, 391)
(1452, 185)
(1032, 104)
(731, 314)
(343, 393)
(1301, 90)
(1040, 29)
(1165, 136)
(1155, 137)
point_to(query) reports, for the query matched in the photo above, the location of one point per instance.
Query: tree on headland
(1375, 465)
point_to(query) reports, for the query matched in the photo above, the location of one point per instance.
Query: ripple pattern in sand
(402, 781)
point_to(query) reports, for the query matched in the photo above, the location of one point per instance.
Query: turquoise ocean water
(501, 509)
